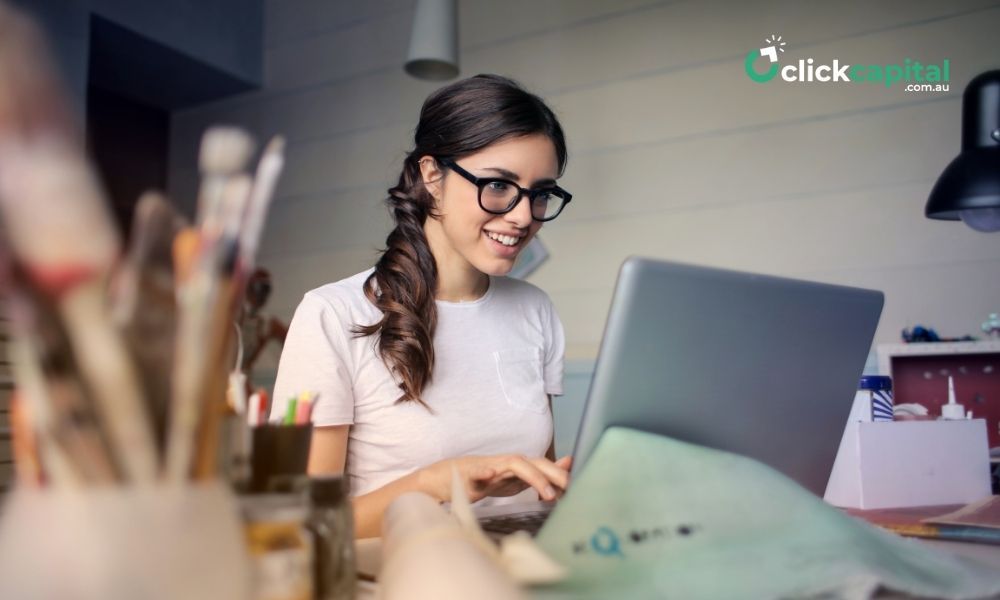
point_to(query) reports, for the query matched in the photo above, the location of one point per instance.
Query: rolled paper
(518, 554)
(427, 556)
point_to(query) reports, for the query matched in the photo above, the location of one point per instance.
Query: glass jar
(332, 525)
(280, 546)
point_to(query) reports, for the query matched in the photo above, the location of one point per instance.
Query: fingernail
(550, 493)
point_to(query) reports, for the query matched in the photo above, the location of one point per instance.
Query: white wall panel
(674, 152)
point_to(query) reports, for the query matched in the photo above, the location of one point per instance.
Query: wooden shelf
(887, 351)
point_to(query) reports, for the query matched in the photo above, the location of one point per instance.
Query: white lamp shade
(433, 51)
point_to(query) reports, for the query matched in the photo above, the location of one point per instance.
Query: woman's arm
(502, 475)
(328, 450)
(328, 455)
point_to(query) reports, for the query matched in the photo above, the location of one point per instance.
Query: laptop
(757, 365)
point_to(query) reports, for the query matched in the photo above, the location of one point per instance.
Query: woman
(433, 361)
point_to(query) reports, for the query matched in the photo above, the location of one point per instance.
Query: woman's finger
(482, 472)
(557, 475)
(533, 476)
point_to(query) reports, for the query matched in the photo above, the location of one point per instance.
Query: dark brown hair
(455, 121)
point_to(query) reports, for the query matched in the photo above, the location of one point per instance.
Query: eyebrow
(516, 177)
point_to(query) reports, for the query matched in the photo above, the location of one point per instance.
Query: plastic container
(876, 390)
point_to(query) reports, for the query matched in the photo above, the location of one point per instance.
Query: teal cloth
(652, 517)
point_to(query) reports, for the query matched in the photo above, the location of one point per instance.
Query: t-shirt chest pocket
(520, 373)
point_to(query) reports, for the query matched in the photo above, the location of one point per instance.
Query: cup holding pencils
(280, 449)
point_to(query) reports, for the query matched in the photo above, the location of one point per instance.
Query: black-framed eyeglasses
(499, 196)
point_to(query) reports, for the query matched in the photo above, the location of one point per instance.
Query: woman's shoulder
(347, 294)
(511, 289)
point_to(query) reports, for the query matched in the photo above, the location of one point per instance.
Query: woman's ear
(431, 173)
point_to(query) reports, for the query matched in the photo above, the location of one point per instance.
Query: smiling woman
(433, 361)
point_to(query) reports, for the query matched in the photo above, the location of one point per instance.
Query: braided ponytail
(403, 285)
(455, 121)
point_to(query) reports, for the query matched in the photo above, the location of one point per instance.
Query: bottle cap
(875, 382)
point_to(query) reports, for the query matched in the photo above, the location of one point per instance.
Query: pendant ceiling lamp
(969, 188)
(433, 51)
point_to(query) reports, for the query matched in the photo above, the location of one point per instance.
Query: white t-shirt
(496, 360)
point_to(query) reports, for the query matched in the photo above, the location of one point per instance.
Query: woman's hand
(501, 475)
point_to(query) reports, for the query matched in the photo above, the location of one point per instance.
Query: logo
(770, 52)
(913, 74)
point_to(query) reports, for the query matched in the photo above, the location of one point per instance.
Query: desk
(986, 553)
(369, 553)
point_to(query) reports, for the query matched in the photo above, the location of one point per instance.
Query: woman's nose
(520, 215)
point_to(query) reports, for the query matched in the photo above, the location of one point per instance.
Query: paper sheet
(651, 517)
(985, 513)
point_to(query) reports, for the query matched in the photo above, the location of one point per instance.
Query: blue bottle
(879, 389)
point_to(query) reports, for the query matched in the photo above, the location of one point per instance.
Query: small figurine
(258, 329)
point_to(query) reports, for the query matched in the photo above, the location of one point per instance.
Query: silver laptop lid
(762, 366)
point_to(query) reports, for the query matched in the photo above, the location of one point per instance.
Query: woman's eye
(498, 187)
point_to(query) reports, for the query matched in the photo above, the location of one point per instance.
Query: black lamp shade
(972, 180)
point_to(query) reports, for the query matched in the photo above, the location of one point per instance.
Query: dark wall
(223, 34)
(129, 63)
(209, 39)
(128, 141)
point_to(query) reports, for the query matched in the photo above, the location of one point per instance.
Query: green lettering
(857, 73)
(893, 73)
(874, 73)
(933, 73)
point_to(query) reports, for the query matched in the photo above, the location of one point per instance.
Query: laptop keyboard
(524, 521)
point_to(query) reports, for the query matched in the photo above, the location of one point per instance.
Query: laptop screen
(758, 365)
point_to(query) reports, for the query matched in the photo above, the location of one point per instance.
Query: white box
(910, 463)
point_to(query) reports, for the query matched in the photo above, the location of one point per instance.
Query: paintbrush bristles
(52, 204)
(268, 170)
(234, 204)
(276, 147)
(225, 150)
(185, 251)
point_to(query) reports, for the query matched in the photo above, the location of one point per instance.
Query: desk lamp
(969, 188)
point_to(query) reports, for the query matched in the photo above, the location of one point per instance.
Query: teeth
(506, 240)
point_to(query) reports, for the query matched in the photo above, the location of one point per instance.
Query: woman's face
(465, 236)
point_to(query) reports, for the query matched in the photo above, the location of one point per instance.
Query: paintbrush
(219, 340)
(224, 152)
(144, 306)
(24, 445)
(268, 170)
(204, 295)
(31, 99)
(55, 416)
(60, 231)
(243, 217)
